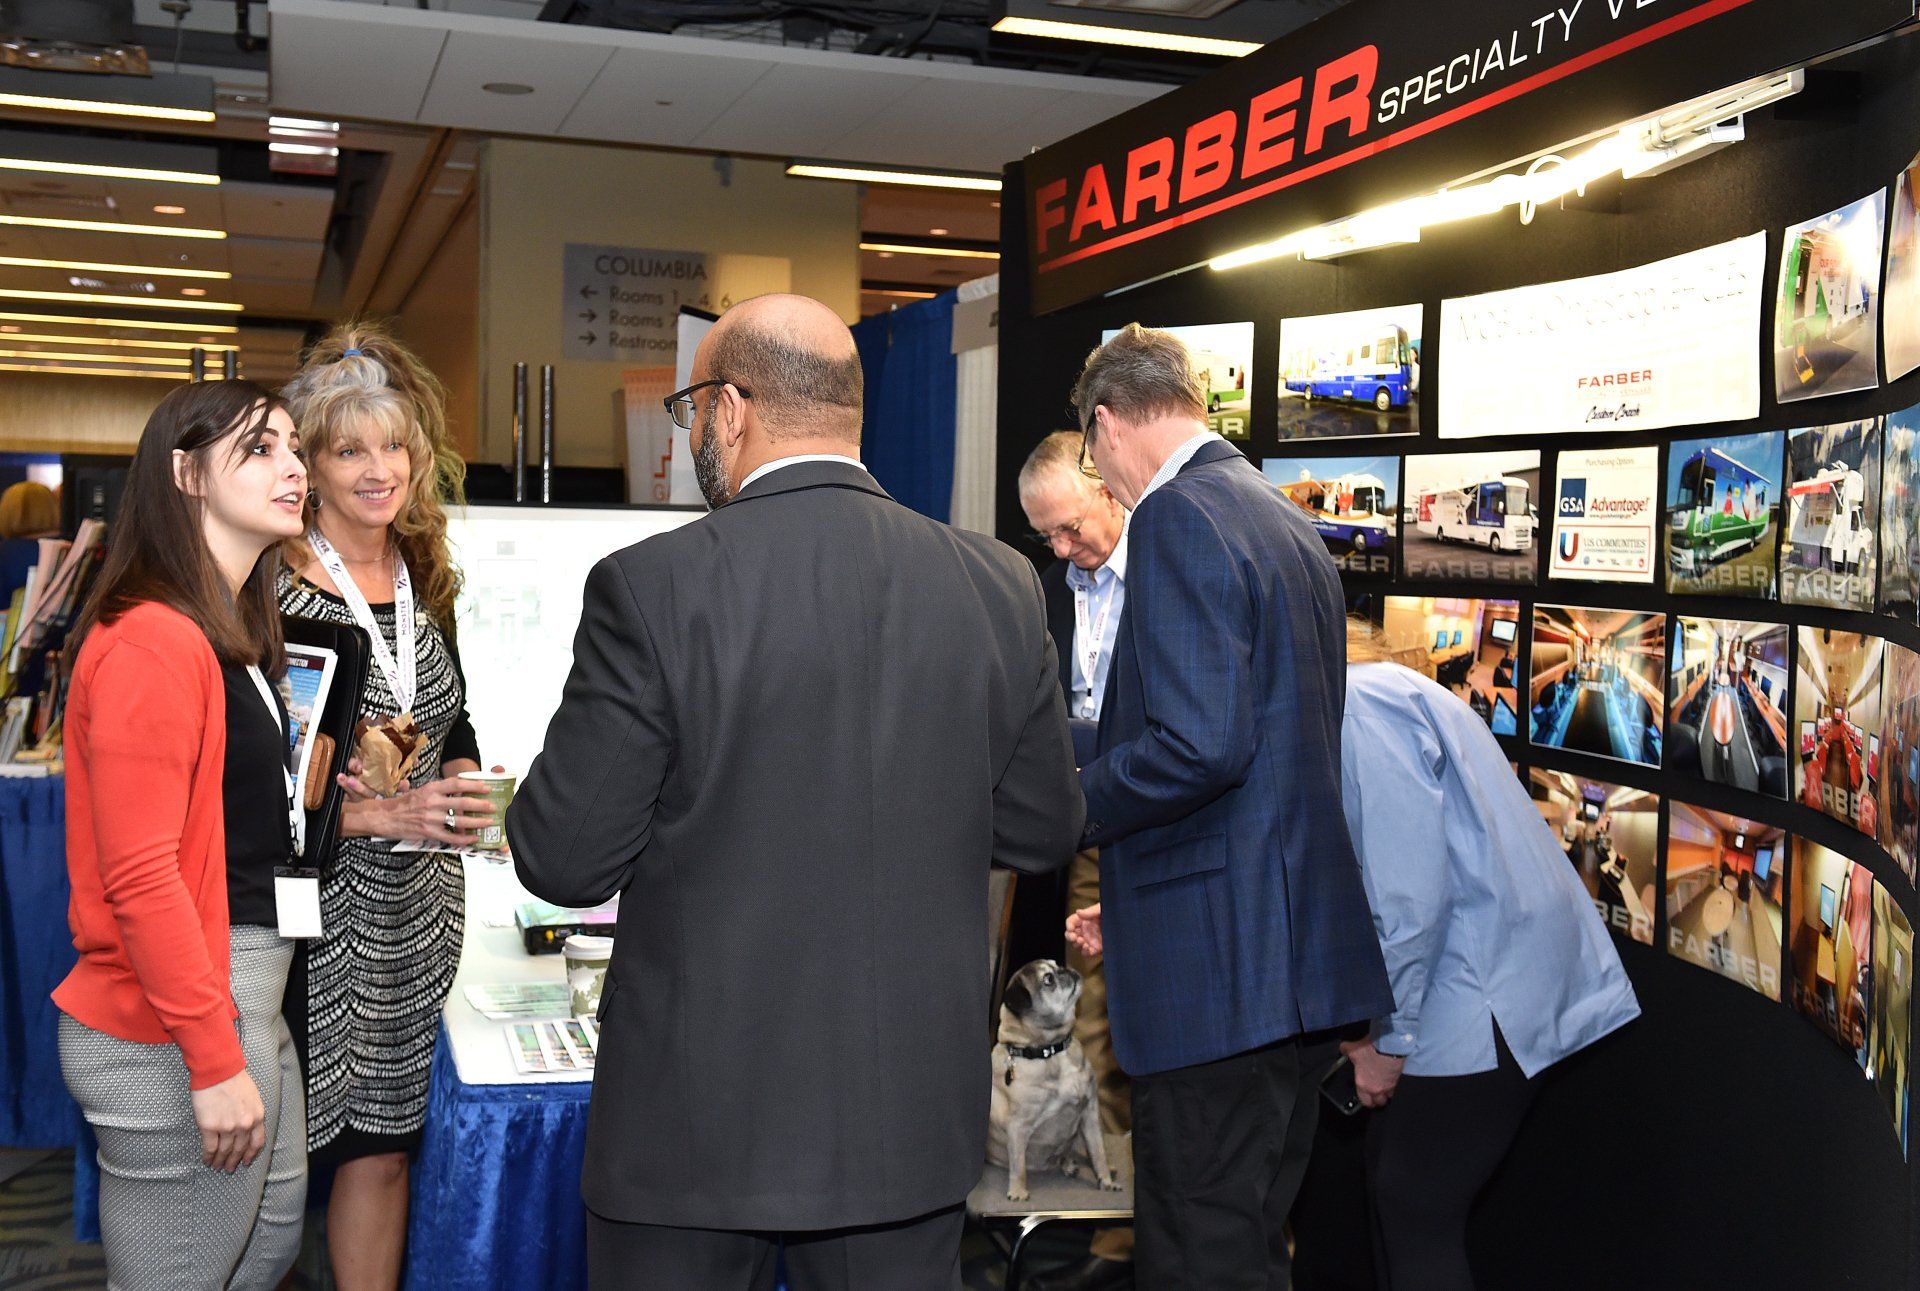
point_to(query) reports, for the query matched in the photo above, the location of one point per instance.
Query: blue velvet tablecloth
(496, 1187)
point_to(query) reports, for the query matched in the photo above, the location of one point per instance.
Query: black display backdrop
(1721, 1141)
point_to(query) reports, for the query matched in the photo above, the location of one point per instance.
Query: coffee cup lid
(583, 945)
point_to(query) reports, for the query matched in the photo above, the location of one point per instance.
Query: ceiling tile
(797, 107)
(285, 211)
(557, 70)
(660, 96)
(329, 58)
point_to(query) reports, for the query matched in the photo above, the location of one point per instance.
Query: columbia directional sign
(622, 304)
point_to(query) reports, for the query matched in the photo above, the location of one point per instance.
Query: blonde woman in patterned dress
(373, 436)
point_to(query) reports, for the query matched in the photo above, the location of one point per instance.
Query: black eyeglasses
(1044, 538)
(679, 404)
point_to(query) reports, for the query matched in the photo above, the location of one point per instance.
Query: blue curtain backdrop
(907, 357)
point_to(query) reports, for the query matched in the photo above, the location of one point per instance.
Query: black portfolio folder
(351, 649)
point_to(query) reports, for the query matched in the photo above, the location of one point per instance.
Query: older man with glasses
(1077, 518)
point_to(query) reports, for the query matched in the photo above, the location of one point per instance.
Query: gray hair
(1141, 374)
(796, 390)
(1058, 452)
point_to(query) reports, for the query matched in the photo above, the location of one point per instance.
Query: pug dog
(1044, 1113)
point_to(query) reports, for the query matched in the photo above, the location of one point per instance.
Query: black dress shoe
(1090, 1274)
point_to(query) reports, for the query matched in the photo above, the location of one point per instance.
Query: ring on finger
(453, 821)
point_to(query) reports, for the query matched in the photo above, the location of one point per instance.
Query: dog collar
(1042, 1051)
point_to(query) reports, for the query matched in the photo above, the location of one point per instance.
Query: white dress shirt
(1171, 467)
(1098, 598)
(767, 468)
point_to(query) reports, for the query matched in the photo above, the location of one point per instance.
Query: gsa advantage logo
(1573, 499)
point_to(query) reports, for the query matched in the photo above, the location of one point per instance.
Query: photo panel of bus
(1353, 502)
(1348, 375)
(1610, 834)
(1899, 769)
(1833, 516)
(1723, 514)
(1889, 1037)
(1598, 682)
(1900, 515)
(1727, 704)
(1726, 895)
(1472, 647)
(1832, 945)
(1826, 318)
(1901, 316)
(1222, 355)
(1837, 717)
(1470, 517)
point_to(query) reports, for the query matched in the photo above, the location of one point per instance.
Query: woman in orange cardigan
(178, 812)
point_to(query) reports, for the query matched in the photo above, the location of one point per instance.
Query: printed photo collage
(1825, 715)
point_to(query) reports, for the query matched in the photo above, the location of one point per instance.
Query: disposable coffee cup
(499, 786)
(587, 959)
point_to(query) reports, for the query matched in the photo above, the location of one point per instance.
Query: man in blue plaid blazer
(1236, 929)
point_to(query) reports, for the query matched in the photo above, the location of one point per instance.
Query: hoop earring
(313, 496)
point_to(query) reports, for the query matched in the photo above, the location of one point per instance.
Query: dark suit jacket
(1060, 620)
(795, 735)
(1232, 903)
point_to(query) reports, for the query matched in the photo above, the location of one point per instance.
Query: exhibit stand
(1588, 342)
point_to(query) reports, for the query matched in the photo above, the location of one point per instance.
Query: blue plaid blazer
(1233, 907)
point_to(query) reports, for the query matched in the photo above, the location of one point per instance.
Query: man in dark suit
(1085, 527)
(795, 735)
(1236, 927)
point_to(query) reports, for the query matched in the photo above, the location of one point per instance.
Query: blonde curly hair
(359, 377)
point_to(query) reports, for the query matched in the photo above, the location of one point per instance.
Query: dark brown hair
(157, 550)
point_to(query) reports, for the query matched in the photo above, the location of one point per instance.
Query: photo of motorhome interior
(1727, 700)
(1832, 944)
(1597, 682)
(1899, 770)
(1726, 893)
(1472, 647)
(1900, 514)
(1610, 833)
(1891, 1034)
(1837, 709)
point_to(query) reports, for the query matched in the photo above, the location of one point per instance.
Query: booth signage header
(1382, 100)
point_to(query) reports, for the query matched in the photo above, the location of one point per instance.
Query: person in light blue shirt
(1500, 965)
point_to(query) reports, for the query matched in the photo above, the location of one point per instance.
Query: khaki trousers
(1091, 1029)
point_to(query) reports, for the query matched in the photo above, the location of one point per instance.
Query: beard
(708, 470)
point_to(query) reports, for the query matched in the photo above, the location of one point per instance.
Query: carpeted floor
(38, 1253)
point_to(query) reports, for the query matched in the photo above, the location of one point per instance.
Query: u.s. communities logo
(1569, 545)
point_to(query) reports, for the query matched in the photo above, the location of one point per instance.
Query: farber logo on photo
(1573, 498)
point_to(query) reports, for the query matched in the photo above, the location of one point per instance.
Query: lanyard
(296, 818)
(399, 676)
(1089, 639)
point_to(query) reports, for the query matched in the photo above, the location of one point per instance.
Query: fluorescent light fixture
(908, 249)
(136, 302)
(65, 320)
(161, 97)
(157, 360)
(903, 178)
(107, 172)
(276, 124)
(1132, 38)
(151, 374)
(302, 149)
(96, 266)
(111, 226)
(13, 335)
(169, 210)
(1640, 149)
(893, 291)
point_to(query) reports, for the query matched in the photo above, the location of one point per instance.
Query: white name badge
(296, 898)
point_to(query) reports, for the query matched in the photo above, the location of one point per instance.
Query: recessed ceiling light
(169, 210)
(10, 327)
(96, 266)
(938, 233)
(880, 175)
(886, 255)
(193, 291)
(506, 87)
(132, 324)
(111, 226)
(137, 302)
(663, 103)
(914, 249)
